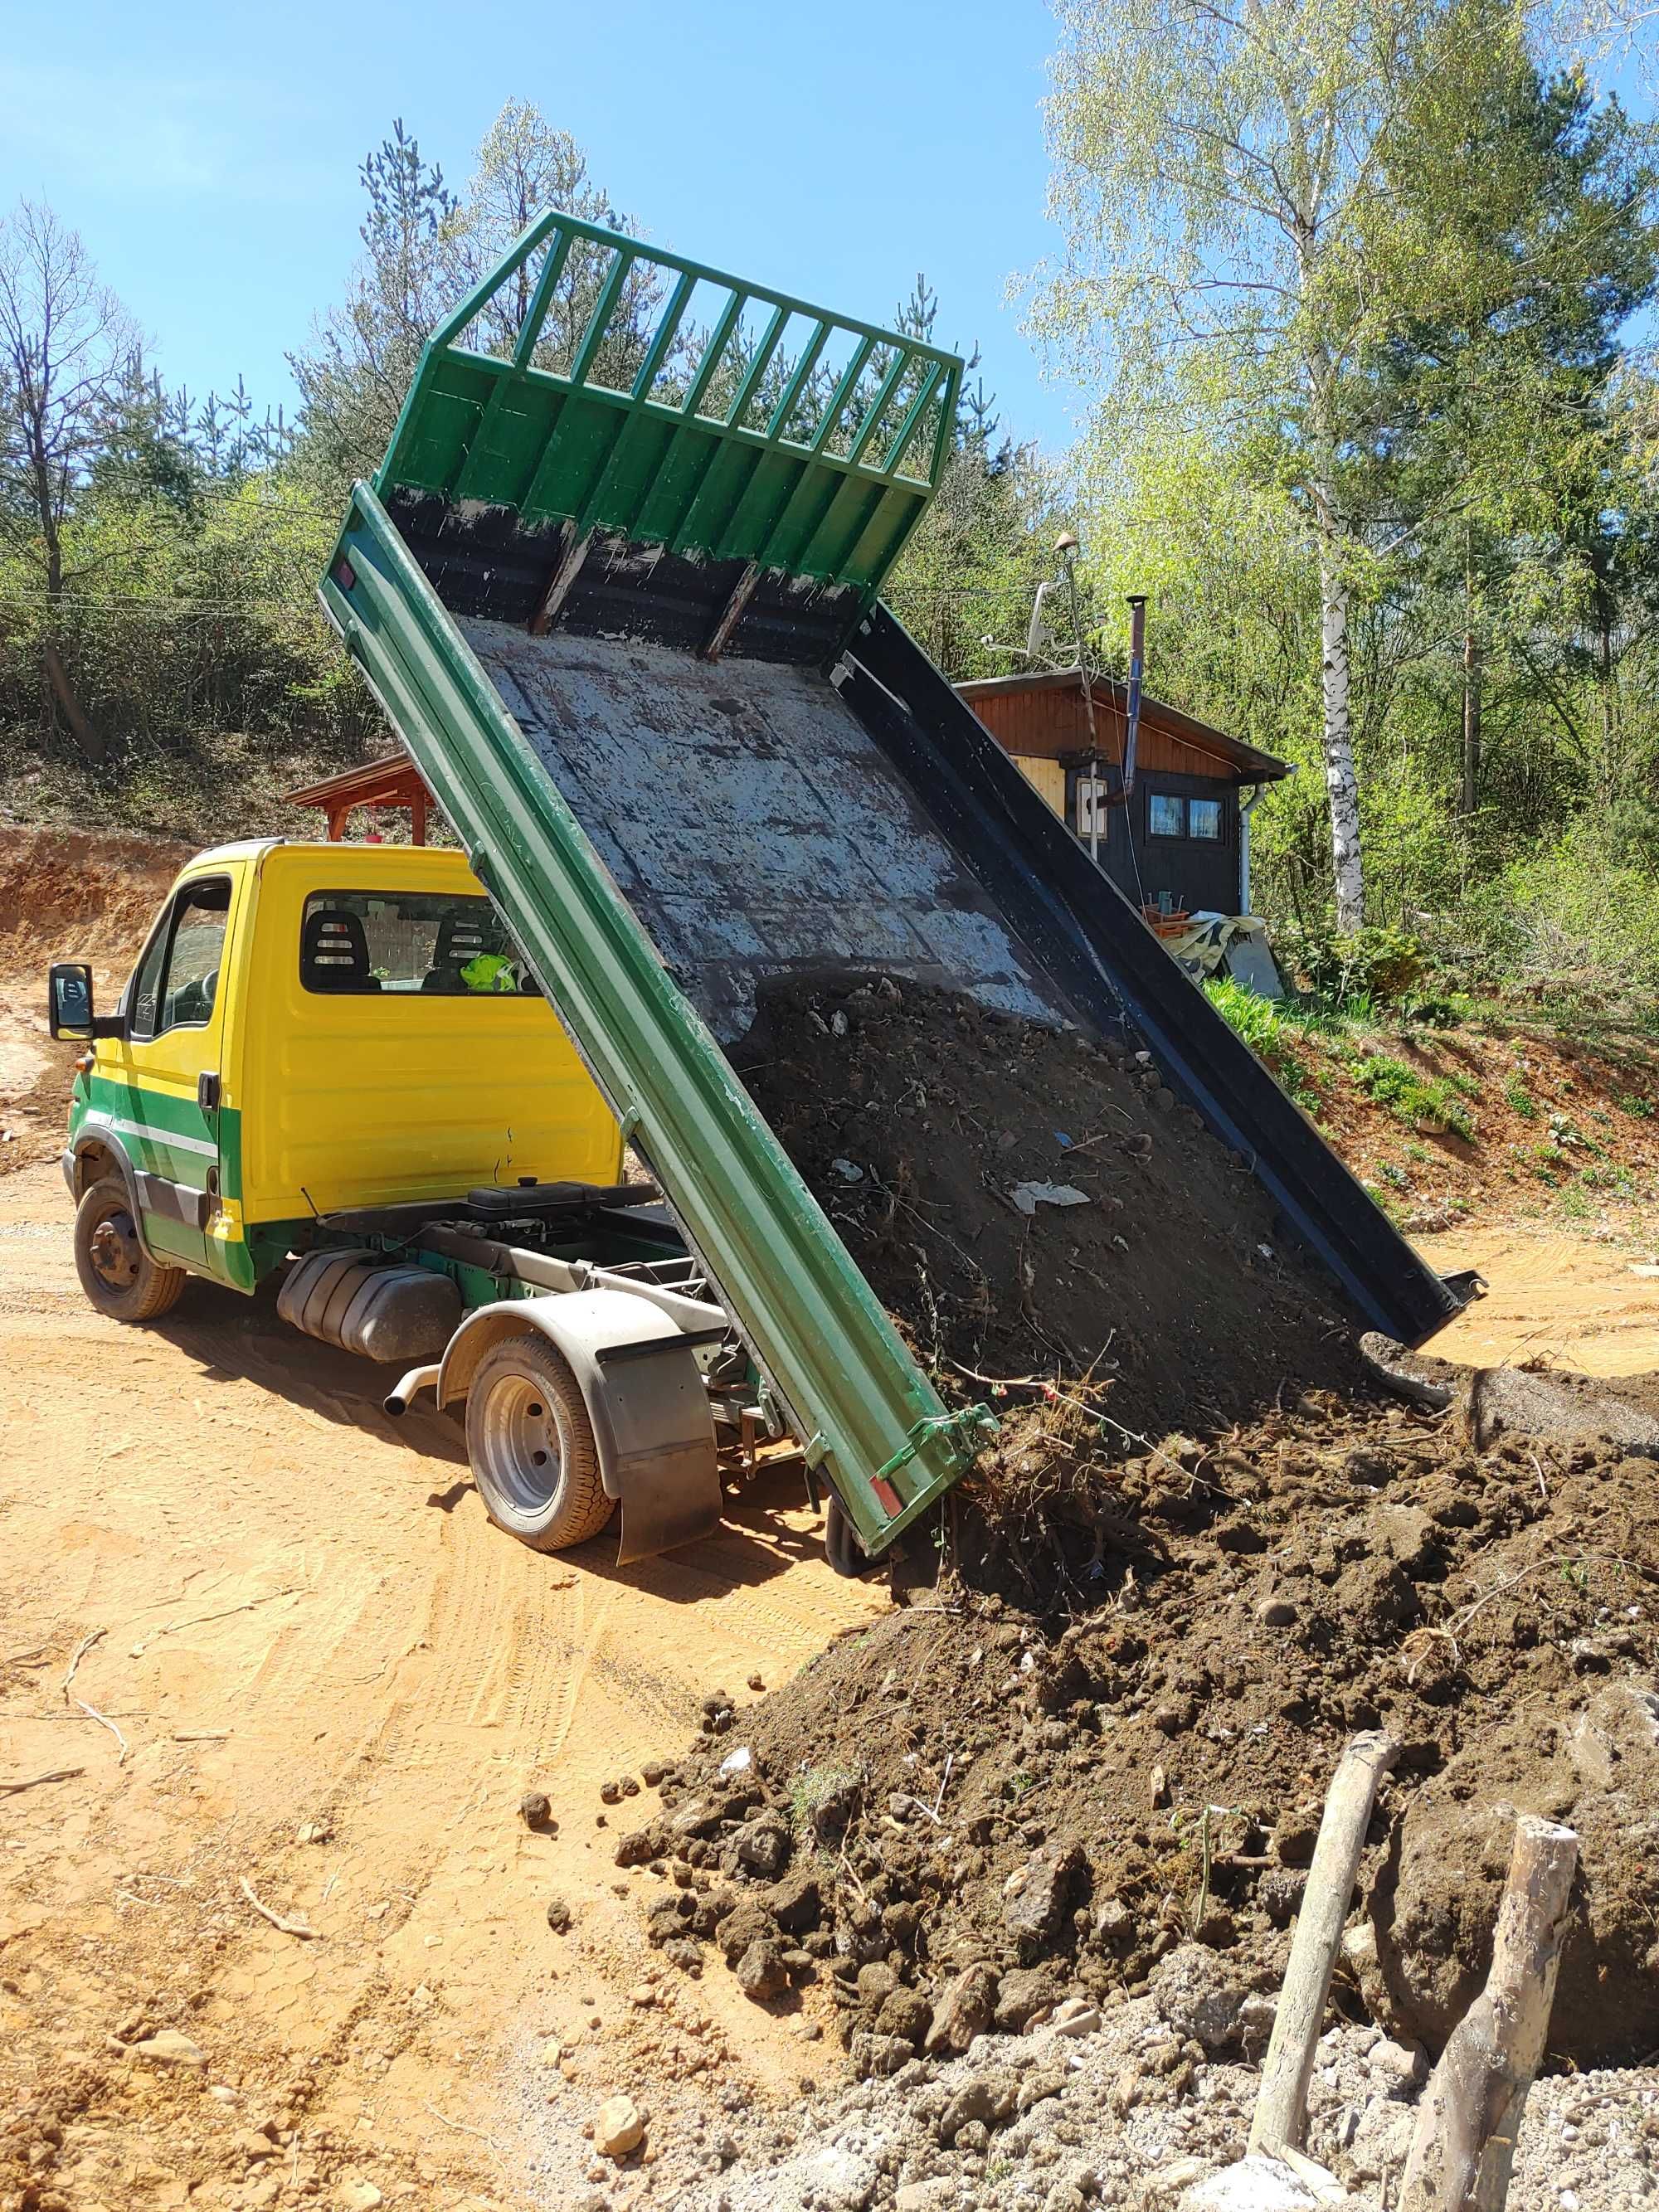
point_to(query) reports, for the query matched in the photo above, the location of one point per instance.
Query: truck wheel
(118, 1275)
(531, 1447)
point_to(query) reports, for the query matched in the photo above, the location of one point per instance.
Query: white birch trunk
(1341, 778)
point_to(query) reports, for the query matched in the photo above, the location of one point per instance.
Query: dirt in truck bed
(917, 1116)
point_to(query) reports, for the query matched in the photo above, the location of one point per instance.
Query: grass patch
(812, 1789)
(1519, 1099)
(1420, 1102)
(1276, 1031)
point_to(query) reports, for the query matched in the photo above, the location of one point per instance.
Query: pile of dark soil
(916, 1115)
(973, 1811)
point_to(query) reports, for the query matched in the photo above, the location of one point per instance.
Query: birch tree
(63, 341)
(1220, 179)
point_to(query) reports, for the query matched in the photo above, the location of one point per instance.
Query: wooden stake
(1281, 2104)
(1463, 2147)
(559, 583)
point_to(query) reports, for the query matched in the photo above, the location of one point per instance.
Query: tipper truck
(616, 587)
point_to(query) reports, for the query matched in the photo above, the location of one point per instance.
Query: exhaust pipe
(403, 1394)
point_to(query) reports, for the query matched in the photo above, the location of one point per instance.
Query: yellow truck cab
(311, 1028)
(331, 1061)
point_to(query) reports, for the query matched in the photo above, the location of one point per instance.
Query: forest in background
(1362, 298)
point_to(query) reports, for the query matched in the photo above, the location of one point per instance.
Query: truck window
(178, 978)
(412, 942)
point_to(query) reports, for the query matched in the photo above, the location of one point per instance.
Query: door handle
(207, 1092)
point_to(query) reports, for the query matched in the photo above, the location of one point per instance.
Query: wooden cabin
(1181, 844)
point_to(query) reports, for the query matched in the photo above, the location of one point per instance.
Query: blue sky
(209, 157)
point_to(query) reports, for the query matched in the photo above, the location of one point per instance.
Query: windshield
(423, 942)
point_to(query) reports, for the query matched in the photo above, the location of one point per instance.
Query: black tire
(118, 1275)
(531, 1447)
(843, 1548)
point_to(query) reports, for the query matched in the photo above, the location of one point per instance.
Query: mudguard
(644, 1392)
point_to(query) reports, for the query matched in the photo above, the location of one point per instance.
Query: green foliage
(1420, 1102)
(1519, 1099)
(1383, 964)
(1277, 1034)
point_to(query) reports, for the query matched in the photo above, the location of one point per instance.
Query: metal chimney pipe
(1137, 662)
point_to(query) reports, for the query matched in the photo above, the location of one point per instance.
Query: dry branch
(1463, 2146)
(288, 1927)
(34, 1781)
(1281, 2104)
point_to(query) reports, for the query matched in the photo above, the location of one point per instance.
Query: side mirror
(70, 1008)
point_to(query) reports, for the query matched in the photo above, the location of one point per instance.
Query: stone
(639, 1847)
(839, 2180)
(906, 2012)
(558, 1915)
(763, 1844)
(938, 2192)
(876, 1982)
(1397, 2069)
(1276, 1612)
(618, 2127)
(534, 1810)
(552, 2051)
(1201, 1996)
(873, 2055)
(963, 2009)
(761, 1972)
(990, 2097)
(1035, 1895)
(796, 1903)
(1077, 2016)
(1025, 1993)
(1256, 2184)
(168, 2047)
(359, 2197)
(685, 1952)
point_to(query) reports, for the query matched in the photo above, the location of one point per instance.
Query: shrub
(1384, 965)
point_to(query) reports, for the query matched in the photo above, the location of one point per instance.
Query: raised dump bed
(616, 587)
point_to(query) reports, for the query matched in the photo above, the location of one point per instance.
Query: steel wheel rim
(522, 1446)
(112, 1249)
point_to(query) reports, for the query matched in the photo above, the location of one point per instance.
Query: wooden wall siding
(1044, 725)
(1047, 777)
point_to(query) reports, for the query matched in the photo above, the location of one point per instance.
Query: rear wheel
(116, 1273)
(531, 1447)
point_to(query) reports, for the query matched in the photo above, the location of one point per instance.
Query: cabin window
(1165, 815)
(1204, 819)
(424, 943)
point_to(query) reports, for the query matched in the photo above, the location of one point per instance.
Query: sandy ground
(1572, 1301)
(302, 1620)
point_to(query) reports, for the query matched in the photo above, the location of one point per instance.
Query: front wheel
(116, 1273)
(531, 1447)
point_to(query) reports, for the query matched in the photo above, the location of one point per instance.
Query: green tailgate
(599, 384)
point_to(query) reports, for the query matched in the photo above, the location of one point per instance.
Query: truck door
(166, 1071)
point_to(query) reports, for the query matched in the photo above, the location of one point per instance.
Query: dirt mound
(972, 1811)
(918, 1118)
(63, 897)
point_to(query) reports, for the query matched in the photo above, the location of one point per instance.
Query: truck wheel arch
(96, 1156)
(645, 1398)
